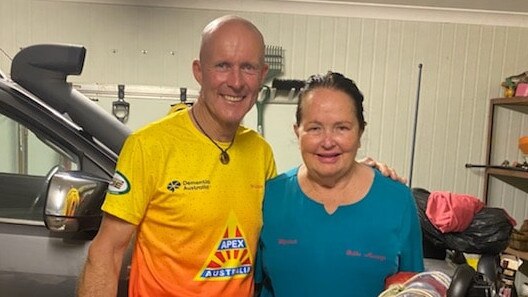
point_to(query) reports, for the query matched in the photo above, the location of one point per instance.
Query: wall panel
(463, 66)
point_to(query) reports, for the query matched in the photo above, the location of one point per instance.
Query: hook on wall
(293, 86)
(121, 108)
(183, 104)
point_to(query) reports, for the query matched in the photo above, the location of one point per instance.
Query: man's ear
(264, 72)
(197, 71)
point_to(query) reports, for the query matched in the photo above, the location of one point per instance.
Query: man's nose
(235, 78)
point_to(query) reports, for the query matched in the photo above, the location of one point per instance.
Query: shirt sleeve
(127, 197)
(411, 258)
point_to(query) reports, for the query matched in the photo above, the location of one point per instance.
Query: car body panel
(34, 260)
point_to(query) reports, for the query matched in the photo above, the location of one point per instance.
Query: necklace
(224, 156)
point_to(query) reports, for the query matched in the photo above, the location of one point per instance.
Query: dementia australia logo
(189, 185)
(173, 185)
(230, 258)
(193, 185)
(119, 184)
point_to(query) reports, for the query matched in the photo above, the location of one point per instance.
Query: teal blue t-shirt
(304, 251)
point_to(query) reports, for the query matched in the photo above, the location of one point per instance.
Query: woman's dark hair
(336, 81)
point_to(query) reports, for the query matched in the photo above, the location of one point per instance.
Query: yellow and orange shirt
(198, 219)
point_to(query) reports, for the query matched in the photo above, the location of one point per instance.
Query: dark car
(58, 152)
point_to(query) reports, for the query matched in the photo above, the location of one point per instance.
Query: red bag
(450, 212)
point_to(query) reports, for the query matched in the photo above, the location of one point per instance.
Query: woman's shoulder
(281, 190)
(388, 185)
(284, 178)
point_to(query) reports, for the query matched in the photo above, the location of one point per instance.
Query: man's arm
(105, 256)
(384, 169)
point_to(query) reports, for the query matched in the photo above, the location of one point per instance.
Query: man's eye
(249, 68)
(222, 66)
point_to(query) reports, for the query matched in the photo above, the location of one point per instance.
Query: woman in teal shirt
(333, 226)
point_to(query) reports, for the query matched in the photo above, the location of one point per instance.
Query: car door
(35, 141)
(31, 258)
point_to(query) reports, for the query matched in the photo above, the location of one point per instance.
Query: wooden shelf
(513, 177)
(519, 104)
(516, 178)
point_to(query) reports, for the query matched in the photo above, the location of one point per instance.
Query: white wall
(465, 57)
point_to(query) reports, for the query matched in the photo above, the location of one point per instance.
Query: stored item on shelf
(521, 90)
(524, 226)
(509, 92)
(519, 240)
(523, 145)
(509, 265)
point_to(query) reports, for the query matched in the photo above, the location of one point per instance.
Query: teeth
(233, 98)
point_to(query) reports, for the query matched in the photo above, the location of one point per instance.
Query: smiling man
(191, 185)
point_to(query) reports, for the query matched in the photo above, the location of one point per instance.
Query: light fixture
(121, 108)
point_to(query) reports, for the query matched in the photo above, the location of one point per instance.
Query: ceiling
(512, 8)
(520, 6)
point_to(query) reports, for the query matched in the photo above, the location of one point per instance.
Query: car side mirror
(73, 201)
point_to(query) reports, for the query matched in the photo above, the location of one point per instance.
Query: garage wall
(463, 62)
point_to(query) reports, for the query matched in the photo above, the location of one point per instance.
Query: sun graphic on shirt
(230, 258)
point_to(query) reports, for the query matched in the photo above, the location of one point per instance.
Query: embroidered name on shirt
(287, 241)
(375, 257)
(369, 255)
(255, 186)
(352, 253)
